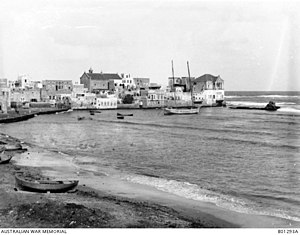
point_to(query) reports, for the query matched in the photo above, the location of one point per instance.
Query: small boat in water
(179, 110)
(120, 117)
(92, 112)
(4, 159)
(128, 114)
(54, 186)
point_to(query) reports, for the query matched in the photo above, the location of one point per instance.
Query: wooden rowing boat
(13, 147)
(4, 159)
(94, 111)
(182, 111)
(128, 114)
(55, 186)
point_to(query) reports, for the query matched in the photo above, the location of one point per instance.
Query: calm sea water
(242, 160)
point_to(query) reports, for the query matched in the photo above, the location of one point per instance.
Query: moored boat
(183, 110)
(128, 114)
(55, 186)
(92, 112)
(177, 110)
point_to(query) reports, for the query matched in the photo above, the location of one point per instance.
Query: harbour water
(242, 160)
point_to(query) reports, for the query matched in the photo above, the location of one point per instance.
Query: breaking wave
(247, 103)
(261, 96)
(279, 96)
(195, 192)
(289, 110)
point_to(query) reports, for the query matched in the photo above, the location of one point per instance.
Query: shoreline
(86, 207)
(148, 207)
(25, 114)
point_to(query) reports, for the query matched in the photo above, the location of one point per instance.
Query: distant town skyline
(252, 45)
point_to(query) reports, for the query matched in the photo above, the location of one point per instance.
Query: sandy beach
(102, 201)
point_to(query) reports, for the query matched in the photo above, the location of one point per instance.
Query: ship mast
(174, 89)
(173, 75)
(191, 87)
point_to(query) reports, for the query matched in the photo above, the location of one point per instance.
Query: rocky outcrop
(271, 106)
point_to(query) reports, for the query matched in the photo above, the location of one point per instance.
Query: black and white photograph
(179, 116)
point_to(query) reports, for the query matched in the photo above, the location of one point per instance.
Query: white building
(208, 90)
(105, 102)
(4, 96)
(127, 81)
(24, 81)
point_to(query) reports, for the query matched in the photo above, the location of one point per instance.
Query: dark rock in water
(271, 106)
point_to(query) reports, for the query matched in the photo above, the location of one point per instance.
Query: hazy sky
(252, 45)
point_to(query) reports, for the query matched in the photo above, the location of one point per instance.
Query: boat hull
(124, 115)
(45, 186)
(181, 111)
(5, 160)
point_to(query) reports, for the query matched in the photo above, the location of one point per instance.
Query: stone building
(52, 88)
(141, 82)
(208, 89)
(99, 82)
(4, 96)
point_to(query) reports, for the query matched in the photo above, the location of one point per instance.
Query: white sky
(252, 45)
